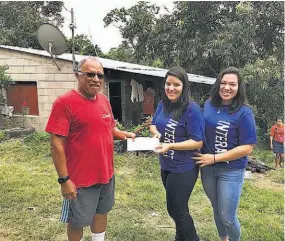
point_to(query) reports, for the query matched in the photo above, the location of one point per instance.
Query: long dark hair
(178, 107)
(238, 100)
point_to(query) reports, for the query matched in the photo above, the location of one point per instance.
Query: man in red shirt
(277, 141)
(82, 128)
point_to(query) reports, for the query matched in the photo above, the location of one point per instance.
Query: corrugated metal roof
(116, 65)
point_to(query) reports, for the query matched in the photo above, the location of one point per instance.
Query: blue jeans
(223, 188)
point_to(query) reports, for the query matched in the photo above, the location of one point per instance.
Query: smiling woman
(173, 88)
(230, 135)
(228, 88)
(178, 123)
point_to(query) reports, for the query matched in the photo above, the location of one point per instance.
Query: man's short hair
(79, 65)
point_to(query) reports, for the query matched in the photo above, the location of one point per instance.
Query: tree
(20, 20)
(205, 37)
(84, 46)
(122, 53)
(5, 81)
(137, 26)
(202, 37)
(126, 53)
(265, 84)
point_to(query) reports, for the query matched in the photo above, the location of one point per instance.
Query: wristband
(214, 158)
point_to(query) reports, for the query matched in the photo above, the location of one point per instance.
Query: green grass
(28, 179)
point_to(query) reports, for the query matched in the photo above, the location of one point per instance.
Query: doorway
(115, 99)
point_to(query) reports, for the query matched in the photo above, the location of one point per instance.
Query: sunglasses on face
(91, 75)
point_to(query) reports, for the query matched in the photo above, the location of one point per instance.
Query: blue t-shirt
(191, 125)
(226, 131)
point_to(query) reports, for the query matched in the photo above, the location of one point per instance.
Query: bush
(38, 144)
(143, 129)
(37, 137)
(120, 126)
(140, 130)
(2, 136)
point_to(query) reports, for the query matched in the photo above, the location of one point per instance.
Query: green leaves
(205, 37)
(265, 85)
(21, 19)
(5, 81)
(83, 46)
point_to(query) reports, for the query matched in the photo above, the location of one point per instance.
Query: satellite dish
(52, 40)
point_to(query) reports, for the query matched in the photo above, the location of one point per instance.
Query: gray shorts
(98, 198)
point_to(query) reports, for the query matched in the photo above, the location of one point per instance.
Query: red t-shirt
(87, 125)
(278, 133)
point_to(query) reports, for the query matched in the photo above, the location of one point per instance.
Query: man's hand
(131, 135)
(68, 190)
(122, 135)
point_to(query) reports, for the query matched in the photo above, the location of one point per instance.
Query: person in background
(82, 128)
(277, 141)
(230, 136)
(179, 124)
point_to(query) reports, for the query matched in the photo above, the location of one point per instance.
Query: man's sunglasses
(91, 75)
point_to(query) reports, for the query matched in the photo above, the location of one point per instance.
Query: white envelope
(142, 144)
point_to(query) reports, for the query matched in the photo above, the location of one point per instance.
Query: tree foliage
(19, 21)
(205, 37)
(143, 29)
(84, 46)
(265, 90)
(5, 82)
(123, 53)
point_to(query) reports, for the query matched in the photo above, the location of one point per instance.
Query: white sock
(98, 236)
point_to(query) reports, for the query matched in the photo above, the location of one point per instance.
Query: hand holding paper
(162, 148)
(142, 144)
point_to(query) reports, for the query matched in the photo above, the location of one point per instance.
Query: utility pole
(72, 26)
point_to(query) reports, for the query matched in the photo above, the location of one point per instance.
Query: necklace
(219, 110)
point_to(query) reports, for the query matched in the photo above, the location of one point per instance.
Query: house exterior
(38, 82)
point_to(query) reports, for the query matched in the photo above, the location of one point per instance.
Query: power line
(67, 17)
(66, 9)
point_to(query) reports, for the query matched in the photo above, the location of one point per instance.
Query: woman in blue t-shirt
(230, 136)
(179, 124)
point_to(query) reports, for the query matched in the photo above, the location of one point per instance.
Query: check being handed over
(142, 144)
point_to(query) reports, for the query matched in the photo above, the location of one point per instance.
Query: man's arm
(271, 142)
(271, 137)
(68, 188)
(122, 135)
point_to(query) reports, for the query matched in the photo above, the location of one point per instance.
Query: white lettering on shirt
(221, 138)
(106, 116)
(169, 136)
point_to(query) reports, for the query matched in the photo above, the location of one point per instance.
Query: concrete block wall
(51, 82)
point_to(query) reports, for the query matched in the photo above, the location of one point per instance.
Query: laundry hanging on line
(137, 91)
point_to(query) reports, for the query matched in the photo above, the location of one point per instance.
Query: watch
(62, 179)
